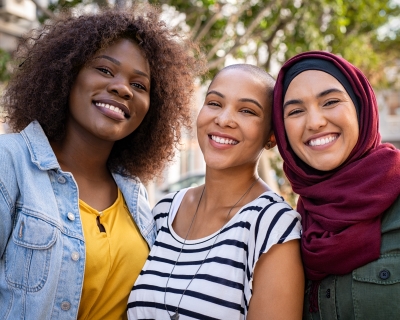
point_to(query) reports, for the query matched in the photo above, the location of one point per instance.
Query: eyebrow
(115, 61)
(242, 99)
(328, 91)
(319, 95)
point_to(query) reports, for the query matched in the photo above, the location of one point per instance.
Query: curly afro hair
(51, 58)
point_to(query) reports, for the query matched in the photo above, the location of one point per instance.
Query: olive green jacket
(371, 292)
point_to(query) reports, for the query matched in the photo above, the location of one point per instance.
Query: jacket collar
(39, 147)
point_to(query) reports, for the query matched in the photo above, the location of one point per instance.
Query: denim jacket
(42, 247)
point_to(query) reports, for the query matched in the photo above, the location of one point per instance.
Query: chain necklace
(175, 316)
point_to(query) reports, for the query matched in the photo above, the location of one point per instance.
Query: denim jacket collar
(39, 147)
(42, 155)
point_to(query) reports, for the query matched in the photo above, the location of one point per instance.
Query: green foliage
(274, 30)
(284, 28)
(5, 59)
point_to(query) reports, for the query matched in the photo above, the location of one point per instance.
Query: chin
(325, 167)
(217, 165)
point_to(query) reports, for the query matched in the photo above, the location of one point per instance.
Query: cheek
(146, 107)
(291, 132)
(354, 135)
(201, 119)
(262, 132)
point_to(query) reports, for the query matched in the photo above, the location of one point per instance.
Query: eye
(213, 103)
(331, 102)
(294, 112)
(138, 85)
(248, 111)
(104, 70)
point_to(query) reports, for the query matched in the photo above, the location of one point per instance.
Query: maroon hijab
(341, 209)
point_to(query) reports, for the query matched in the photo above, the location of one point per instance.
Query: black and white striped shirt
(222, 288)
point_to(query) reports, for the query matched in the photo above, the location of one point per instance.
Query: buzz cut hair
(259, 73)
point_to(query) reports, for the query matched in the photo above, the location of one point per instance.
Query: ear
(271, 142)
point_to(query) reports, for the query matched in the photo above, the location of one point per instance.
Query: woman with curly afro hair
(96, 106)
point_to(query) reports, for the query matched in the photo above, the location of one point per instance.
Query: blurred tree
(268, 32)
(5, 59)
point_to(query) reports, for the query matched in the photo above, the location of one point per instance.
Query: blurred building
(389, 116)
(16, 18)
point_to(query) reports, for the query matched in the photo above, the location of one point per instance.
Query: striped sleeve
(161, 209)
(276, 223)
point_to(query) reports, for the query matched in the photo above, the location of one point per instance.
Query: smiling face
(234, 124)
(320, 120)
(111, 94)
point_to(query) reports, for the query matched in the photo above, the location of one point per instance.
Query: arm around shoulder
(278, 284)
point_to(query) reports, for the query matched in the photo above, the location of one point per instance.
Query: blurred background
(260, 32)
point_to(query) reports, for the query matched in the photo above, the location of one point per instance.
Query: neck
(82, 155)
(224, 187)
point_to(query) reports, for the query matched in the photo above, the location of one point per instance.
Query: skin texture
(238, 106)
(317, 107)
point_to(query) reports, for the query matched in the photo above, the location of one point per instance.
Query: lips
(113, 106)
(223, 140)
(322, 140)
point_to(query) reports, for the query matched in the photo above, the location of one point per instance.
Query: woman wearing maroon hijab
(326, 124)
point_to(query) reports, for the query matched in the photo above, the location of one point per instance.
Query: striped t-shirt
(222, 288)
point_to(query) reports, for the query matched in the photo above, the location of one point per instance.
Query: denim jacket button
(61, 179)
(75, 256)
(71, 216)
(384, 274)
(65, 305)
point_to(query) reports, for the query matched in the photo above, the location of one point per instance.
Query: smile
(111, 107)
(223, 140)
(322, 141)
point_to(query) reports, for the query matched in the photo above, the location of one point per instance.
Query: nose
(120, 87)
(315, 119)
(226, 118)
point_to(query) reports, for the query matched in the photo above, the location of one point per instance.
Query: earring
(269, 144)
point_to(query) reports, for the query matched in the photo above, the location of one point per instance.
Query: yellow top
(114, 259)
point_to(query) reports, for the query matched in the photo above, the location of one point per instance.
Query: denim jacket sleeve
(8, 196)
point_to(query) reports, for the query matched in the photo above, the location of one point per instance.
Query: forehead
(312, 82)
(243, 81)
(125, 50)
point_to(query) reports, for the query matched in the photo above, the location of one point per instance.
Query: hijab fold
(341, 209)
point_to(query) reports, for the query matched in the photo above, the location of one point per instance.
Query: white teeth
(224, 140)
(322, 141)
(109, 106)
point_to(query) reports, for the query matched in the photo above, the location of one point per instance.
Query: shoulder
(163, 206)
(13, 150)
(391, 217)
(273, 218)
(271, 205)
(12, 142)
(14, 157)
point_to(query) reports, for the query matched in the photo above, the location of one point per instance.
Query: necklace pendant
(175, 316)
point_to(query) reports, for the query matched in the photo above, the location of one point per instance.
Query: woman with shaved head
(228, 249)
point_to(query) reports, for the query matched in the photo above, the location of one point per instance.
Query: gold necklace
(175, 316)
